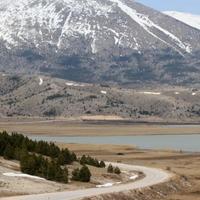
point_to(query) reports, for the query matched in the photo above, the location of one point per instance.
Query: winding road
(153, 176)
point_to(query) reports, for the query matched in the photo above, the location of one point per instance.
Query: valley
(99, 100)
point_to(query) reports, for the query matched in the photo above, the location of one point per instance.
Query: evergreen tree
(102, 164)
(73, 156)
(110, 169)
(58, 173)
(8, 152)
(75, 174)
(117, 170)
(65, 175)
(96, 163)
(84, 174)
(83, 160)
(28, 164)
(51, 170)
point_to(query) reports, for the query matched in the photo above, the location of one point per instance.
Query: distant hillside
(49, 97)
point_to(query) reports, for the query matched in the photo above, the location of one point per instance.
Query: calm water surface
(172, 142)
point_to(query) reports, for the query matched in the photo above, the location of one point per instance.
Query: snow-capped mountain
(188, 18)
(93, 40)
(55, 21)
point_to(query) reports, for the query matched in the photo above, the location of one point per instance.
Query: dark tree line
(39, 166)
(87, 160)
(10, 146)
(37, 157)
(45, 159)
(112, 169)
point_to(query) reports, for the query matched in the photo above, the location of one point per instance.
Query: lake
(169, 142)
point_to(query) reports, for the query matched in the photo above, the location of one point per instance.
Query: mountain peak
(187, 18)
(54, 22)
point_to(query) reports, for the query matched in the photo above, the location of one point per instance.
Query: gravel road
(153, 176)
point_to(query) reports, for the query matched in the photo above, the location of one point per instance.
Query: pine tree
(75, 174)
(110, 169)
(65, 175)
(28, 164)
(51, 171)
(84, 174)
(117, 170)
(83, 160)
(8, 152)
(73, 156)
(58, 173)
(102, 164)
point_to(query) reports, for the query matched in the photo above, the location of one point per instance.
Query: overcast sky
(191, 6)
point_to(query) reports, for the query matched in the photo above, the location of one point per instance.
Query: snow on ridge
(64, 29)
(150, 93)
(133, 177)
(74, 84)
(41, 81)
(18, 19)
(187, 18)
(146, 24)
(12, 174)
(103, 92)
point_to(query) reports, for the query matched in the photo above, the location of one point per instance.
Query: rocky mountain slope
(190, 19)
(51, 97)
(116, 41)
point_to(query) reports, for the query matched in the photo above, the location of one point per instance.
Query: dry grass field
(92, 128)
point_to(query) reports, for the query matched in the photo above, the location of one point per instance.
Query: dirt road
(153, 176)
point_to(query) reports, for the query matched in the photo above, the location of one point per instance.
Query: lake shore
(96, 128)
(185, 167)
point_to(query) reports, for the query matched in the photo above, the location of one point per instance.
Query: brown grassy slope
(23, 96)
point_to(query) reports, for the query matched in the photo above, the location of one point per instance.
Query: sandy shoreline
(96, 128)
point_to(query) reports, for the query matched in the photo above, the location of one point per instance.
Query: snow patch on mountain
(59, 22)
(187, 18)
(46, 18)
(40, 81)
(147, 24)
(12, 174)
